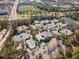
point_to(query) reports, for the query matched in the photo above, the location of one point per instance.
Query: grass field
(66, 6)
(28, 7)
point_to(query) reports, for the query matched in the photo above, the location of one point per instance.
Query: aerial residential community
(39, 29)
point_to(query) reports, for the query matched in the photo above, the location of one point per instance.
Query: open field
(25, 7)
(66, 6)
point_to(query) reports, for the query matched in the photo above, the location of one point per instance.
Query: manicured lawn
(75, 50)
(76, 56)
(66, 6)
(25, 7)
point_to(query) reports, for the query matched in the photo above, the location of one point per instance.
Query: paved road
(13, 14)
(2, 34)
(4, 39)
(11, 17)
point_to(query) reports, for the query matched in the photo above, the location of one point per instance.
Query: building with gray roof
(21, 37)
